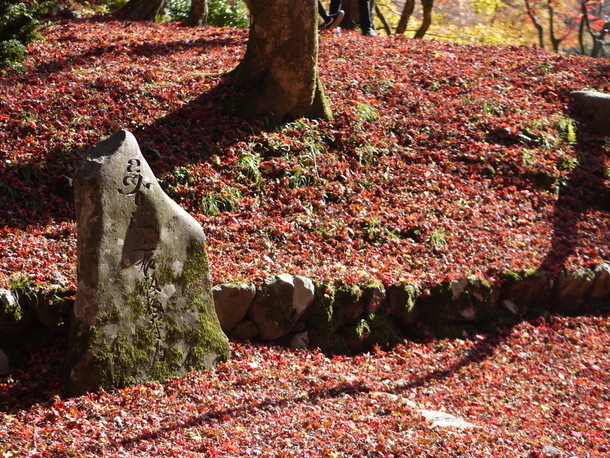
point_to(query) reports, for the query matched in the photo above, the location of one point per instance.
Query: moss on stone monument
(205, 340)
(196, 265)
(149, 348)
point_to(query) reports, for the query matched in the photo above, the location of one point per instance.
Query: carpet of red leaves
(443, 160)
(539, 389)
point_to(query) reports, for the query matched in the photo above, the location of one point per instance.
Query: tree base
(268, 101)
(279, 74)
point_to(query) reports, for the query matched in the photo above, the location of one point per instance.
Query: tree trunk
(384, 21)
(598, 42)
(142, 10)
(584, 22)
(198, 14)
(539, 28)
(279, 71)
(554, 40)
(407, 12)
(427, 18)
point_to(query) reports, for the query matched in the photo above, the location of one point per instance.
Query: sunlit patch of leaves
(568, 128)
(367, 112)
(536, 389)
(473, 140)
(250, 163)
(226, 200)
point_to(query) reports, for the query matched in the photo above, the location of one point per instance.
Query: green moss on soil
(321, 315)
(375, 284)
(406, 304)
(348, 293)
(329, 343)
(382, 330)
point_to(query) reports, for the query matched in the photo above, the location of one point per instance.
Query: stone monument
(144, 308)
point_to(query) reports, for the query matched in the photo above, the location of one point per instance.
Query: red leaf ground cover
(443, 160)
(539, 389)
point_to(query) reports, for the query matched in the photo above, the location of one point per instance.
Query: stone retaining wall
(295, 311)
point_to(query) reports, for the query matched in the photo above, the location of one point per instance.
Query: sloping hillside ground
(443, 161)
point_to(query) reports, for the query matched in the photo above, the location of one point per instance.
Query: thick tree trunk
(539, 29)
(407, 12)
(142, 10)
(198, 14)
(280, 68)
(426, 20)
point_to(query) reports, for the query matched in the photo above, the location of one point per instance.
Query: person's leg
(335, 20)
(330, 20)
(322, 12)
(335, 6)
(366, 21)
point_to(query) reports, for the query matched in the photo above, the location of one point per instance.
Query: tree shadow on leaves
(197, 131)
(482, 350)
(37, 381)
(223, 38)
(582, 190)
(37, 189)
(247, 409)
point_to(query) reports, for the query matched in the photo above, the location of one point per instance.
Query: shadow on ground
(582, 190)
(37, 189)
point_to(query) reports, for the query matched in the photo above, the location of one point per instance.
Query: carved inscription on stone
(133, 180)
(143, 236)
(144, 308)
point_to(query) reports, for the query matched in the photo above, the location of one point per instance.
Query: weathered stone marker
(144, 308)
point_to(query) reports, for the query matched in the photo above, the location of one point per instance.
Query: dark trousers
(322, 11)
(364, 9)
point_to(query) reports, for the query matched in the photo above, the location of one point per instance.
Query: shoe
(369, 33)
(333, 21)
